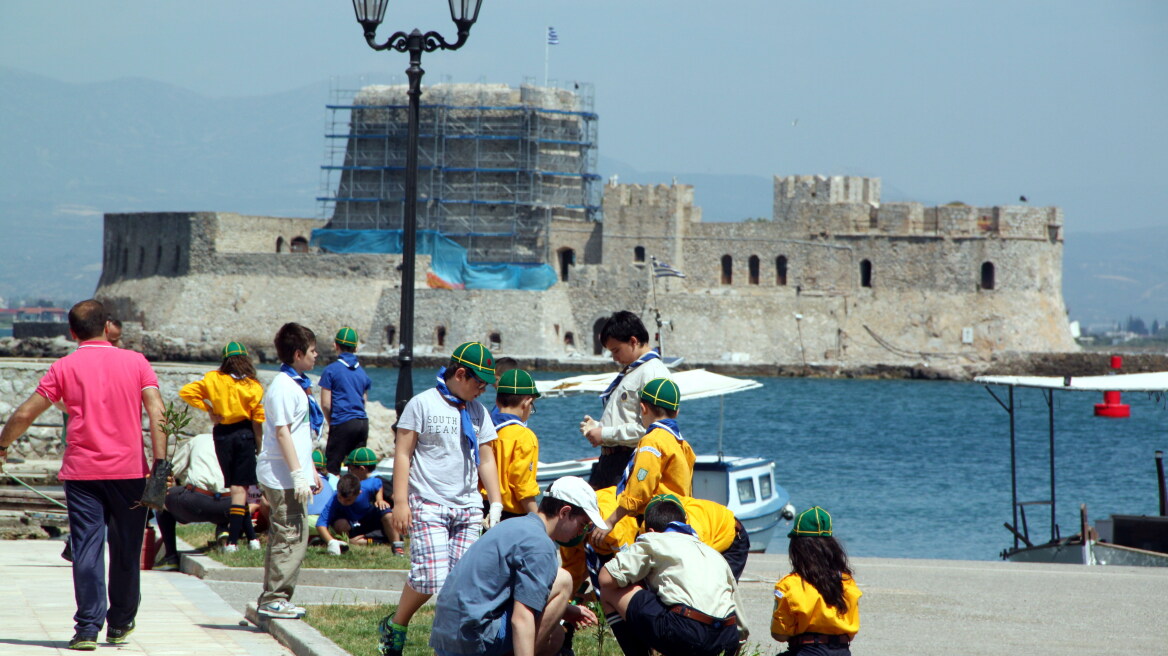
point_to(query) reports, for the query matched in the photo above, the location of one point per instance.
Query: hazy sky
(1063, 101)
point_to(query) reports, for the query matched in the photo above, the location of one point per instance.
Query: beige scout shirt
(680, 569)
(195, 463)
(621, 421)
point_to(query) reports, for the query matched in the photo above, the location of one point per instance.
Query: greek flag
(663, 270)
(553, 38)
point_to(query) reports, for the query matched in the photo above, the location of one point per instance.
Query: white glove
(493, 515)
(302, 486)
(588, 424)
(336, 547)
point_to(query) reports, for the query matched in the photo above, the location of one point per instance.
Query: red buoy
(1113, 405)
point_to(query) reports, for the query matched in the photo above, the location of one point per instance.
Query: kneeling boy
(353, 511)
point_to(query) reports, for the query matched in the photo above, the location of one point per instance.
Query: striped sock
(236, 515)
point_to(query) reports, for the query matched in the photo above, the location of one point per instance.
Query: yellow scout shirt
(799, 608)
(517, 460)
(234, 399)
(713, 522)
(662, 464)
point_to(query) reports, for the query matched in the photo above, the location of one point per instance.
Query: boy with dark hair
(508, 594)
(517, 448)
(344, 389)
(353, 511)
(284, 467)
(662, 462)
(437, 467)
(670, 592)
(620, 427)
(502, 366)
(361, 463)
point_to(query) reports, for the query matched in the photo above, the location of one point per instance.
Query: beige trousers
(287, 544)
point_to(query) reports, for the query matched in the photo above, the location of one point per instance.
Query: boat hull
(1094, 553)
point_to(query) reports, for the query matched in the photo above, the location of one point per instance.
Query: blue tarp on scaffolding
(447, 259)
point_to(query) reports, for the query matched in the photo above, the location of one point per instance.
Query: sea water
(908, 469)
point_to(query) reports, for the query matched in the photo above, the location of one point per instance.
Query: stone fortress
(837, 280)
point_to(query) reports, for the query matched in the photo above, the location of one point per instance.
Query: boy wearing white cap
(508, 593)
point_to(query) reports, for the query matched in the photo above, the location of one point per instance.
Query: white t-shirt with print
(285, 404)
(442, 469)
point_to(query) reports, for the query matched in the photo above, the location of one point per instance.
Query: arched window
(567, 259)
(727, 270)
(866, 273)
(299, 245)
(440, 336)
(752, 265)
(569, 339)
(390, 335)
(639, 254)
(279, 244)
(987, 275)
(597, 346)
(494, 340)
(781, 271)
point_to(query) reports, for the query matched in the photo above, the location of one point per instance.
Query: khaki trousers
(287, 544)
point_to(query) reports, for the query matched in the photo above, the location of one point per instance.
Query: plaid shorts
(439, 535)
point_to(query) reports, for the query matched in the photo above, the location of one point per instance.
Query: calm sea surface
(912, 469)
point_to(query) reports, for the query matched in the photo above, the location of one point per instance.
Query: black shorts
(342, 439)
(235, 448)
(670, 633)
(369, 523)
(738, 550)
(191, 507)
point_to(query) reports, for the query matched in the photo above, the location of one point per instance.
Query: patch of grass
(378, 556)
(354, 629)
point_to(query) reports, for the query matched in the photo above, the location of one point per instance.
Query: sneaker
(399, 549)
(230, 548)
(117, 635)
(167, 564)
(83, 642)
(393, 639)
(254, 545)
(282, 609)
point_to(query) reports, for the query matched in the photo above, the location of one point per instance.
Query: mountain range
(75, 151)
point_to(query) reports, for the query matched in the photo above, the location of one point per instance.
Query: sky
(980, 101)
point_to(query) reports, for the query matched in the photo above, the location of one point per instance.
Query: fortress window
(753, 266)
(597, 347)
(866, 273)
(639, 254)
(987, 275)
(781, 271)
(494, 340)
(440, 336)
(390, 335)
(567, 259)
(279, 244)
(727, 270)
(299, 245)
(569, 339)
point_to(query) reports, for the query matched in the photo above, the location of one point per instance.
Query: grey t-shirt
(443, 470)
(514, 561)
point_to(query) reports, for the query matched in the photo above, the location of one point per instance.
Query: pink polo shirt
(101, 387)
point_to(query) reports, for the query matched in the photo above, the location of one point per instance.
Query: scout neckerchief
(465, 422)
(501, 419)
(349, 360)
(667, 425)
(624, 372)
(315, 416)
(680, 527)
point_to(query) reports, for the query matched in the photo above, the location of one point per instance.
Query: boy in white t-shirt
(437, 467)
(284, 467)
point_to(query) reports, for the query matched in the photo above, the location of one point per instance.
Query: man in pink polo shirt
(104, 470)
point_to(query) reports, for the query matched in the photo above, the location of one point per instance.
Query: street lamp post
(370, 13)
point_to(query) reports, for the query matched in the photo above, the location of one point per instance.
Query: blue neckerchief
(501, 419)
(668, 425)
(349, 359)
(315, 415)
(592, 564)
(624, 372)
(466, 423)
(680, 527)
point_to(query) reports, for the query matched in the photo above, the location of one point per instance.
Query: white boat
(745, 485)
(1119, 540)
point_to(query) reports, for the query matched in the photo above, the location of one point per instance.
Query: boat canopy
(693, 384)
(1147, 382)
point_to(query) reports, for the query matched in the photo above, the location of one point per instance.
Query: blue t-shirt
(514, 561)
(355, 511)
(348, 382)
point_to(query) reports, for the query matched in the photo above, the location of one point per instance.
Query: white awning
(1147, 382)
(693, 384)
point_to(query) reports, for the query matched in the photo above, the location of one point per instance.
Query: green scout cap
(665, 498)
(362, 456)
(234, 348)
(517, 381)
(662, 393)
(478, 358)
(813, 522)
(318, 458)
(346, 337)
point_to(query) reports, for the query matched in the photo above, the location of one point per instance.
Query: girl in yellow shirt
(817, 605)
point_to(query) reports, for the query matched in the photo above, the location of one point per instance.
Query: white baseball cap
(574, 490)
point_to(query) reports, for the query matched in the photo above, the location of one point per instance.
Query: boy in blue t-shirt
(344, 389)
(354, 512)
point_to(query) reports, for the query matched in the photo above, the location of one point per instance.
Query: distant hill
(73, 152)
